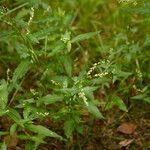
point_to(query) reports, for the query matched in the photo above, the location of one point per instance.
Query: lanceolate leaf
(142, 97)
(3, 94)
(14, 115)
(43, 131)
(57, 49)
(50, 99)
(3, 112)
(3, 146)
(67, 63)
(139, 97)
(31, 138)
(94, 110)
(19, 72)
(13, 129)
(116, 101)
(29, 146)
(119, 102)
(85, 36)
(69, 127)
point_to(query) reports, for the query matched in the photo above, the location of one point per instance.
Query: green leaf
(57, 49)
(3, 112)
(3, 95)
(43, 131)
(19, 72)
(14, 115)
(13, 129)
(70, 91)
(3, 146)
(67, 63)
(142, 10)
(89, 89)
(29, 146)
(120, 75)
(80, 129)
(41, 34)
(50, 99)
(32, 138)
(147, 99)
(3, 133)
(69, 127)
(116, 101)
(94, 110)
(142, 97)
(32, 38)
(84, 36)
(139, 97)
(119, 102)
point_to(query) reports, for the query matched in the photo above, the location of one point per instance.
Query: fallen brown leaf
(127, 128)
(125, 142)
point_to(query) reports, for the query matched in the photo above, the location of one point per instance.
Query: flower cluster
(30, 19)
(101, 74)
(92, 69)
(42, 114)
(134, 2)
(83, 97)
(55, 83)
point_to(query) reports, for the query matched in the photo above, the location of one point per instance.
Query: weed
(58, 55)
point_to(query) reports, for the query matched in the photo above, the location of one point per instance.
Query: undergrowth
(70, 62)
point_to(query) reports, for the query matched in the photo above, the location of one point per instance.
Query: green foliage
(94, 110)
(3, 95)
(143, 95)
(58, 57)
(19, 73)
(42, 131)
(82, 37)
(116, 101)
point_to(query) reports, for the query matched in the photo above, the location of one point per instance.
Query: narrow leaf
(13, 129)
(31, 138)
(3, 94)
(57, 49)
(29, 146)
(69, 127)
(3, 146)
(19, 72)
(43, 131)
(139, 97)
(3, 112)
(119, 102)
(142, 97)
(94, 110)
(67, 63)
(14, 115)
(85, 36)
(50, 99)
(116, 101)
